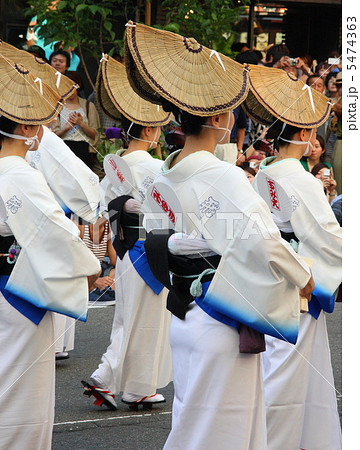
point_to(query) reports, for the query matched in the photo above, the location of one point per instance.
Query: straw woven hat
(137, 82)
(58, 82)
(103, 99)
(24, 97)
(276, 94)
(187, 74)
(115, 95)
(256, 111)
(11, 52)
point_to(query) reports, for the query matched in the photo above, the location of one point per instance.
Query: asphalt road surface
(80, 425)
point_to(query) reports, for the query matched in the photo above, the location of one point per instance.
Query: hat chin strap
(309, 146)
(152, 143)
(28, 140)
(221, 128)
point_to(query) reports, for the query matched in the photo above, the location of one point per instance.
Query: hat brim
(103, 100)
(124, 99)
(254, 109)
(137, 82)
(194, 78)
(24, 97)
(57, 81)
(277, 93)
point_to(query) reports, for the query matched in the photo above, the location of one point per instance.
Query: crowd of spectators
(249, 136)
(323, 77)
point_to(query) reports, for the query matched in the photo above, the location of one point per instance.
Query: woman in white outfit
(138, 359)
(219, 397)
(35, 239)
(298, 379)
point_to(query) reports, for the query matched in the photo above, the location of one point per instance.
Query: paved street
(80, 425)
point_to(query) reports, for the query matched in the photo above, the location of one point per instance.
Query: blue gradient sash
(139, 261)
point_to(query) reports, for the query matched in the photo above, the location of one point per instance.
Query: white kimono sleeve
(315, 226)
(258, 279)
(319, 233)
(52, 268)
(107, 193)
(74, 185)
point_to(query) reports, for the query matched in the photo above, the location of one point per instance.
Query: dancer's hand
(307, 290)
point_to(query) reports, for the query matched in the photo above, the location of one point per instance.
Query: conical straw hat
(274, 92)
(187, 74)
(11, 52)
(256, 111)
(124, 98)
(24, 97)
(58, 82)
(137, 82)
(103, 100)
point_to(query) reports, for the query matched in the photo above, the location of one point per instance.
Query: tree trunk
(139, 5)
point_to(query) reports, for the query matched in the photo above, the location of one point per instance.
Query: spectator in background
(248, 57)
(279, 56)
(254, 161)
(249, 130)
(98, 239)
(335, 67)
(239, 47)
(336, 128)
(307, 59)
(332, 93)
(316, 156)
(102, 292)
(297, 66)
(317, 83)
(37, 51)
(249, 172)
(78, 124)
(336, 206)
(322, 69)
(331, 89)
(260, 56)
(237, 135)
(259, 149)
(60, 60)
(33, 38)
(275, 53)
(323, 173)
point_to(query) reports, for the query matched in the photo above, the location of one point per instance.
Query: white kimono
(107, 193)
(59, 283)
(27, 380)
(76, 188)
(49, 274)
(138, 359)
(299, 383)
(74, 185)
(219, 399)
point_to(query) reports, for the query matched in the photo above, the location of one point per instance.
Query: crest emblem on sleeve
(148, 181)
(13, 204)
(209, 207)
(294, 202)
(93, 179)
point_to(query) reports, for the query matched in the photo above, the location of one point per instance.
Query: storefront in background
(305, 27)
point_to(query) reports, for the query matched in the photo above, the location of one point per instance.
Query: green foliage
(90, 26)
(209, 22)
(107, 146)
